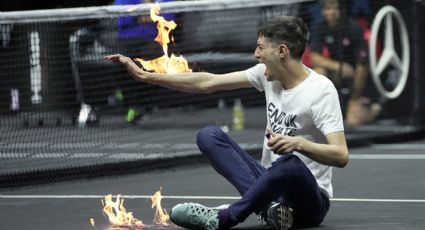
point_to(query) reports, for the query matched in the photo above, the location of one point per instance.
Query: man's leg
(234, 164)
(288, 180)
(228, 159)
(291, 182)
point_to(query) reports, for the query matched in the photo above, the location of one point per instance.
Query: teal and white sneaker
(280, 217)
(194, 216)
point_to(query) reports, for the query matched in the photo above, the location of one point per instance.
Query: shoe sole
(284, 217)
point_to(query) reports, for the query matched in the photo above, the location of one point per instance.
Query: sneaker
(194, 216)
(133, 116)
(280, 217)
(87, 116)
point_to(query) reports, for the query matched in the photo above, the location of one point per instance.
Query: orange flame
(165, 63)
(161, 216)
(117, 214)
(92, 222)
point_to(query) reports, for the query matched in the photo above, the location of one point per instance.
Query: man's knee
(285, 168)
(207, 135)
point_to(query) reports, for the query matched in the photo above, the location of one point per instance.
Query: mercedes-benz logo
(389, 56)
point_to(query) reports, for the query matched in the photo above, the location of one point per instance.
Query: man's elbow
(343, 160)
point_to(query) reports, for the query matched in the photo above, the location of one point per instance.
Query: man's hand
(134, 70)
(118, 58)
(334, 153)
(282, 144)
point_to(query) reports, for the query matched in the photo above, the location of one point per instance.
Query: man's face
(266, 53)
(332, 14)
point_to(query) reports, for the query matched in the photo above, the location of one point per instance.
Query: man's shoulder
(319, 85)
(320, 79)
(257, 70)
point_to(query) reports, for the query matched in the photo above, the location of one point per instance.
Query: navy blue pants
(287, 181)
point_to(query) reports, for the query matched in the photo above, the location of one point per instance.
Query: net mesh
(66, 113)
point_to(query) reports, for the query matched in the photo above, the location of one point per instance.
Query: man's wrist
(149, 77)
(300, 144)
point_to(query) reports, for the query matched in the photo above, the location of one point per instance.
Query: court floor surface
(382, 187)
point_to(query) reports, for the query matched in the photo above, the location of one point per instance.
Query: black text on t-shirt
(281, 122)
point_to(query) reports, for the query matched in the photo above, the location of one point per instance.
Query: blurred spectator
(339, 51)
(136, 26)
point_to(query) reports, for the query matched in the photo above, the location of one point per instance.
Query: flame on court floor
(120, 218)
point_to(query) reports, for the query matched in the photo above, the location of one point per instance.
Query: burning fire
(119, 217)
(92, 222)
(165, 63)
(117, 214)
(161, 216)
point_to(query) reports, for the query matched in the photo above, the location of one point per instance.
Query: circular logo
(389, 56)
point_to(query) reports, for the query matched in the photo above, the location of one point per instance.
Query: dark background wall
(14, 5)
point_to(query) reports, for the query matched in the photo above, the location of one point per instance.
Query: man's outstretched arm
(200, 82)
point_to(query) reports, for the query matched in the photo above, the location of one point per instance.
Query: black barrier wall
(420, 59)
(67, 59)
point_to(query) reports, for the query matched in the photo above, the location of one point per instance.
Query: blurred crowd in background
(338, 47)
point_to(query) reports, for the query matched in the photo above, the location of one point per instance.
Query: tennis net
(67, 113)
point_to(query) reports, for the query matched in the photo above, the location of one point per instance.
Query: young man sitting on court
(304, 135)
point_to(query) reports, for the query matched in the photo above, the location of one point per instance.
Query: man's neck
(293, 74)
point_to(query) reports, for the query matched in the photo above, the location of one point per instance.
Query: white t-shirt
(311, 110)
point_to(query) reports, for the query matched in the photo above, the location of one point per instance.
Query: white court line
(399, 146)
(195, 198)
(377, 200)
(388, 156)
(163, 155)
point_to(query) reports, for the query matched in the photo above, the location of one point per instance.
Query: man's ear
(283, 50)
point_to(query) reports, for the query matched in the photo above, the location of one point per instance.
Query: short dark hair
(289, 30)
